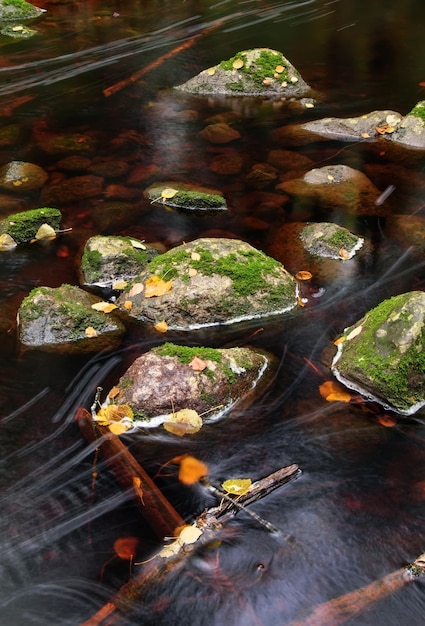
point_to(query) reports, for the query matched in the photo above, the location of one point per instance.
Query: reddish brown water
(358, 512)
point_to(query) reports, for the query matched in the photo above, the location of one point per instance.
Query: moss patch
(419, 110)
(23, 226)
(269, 64)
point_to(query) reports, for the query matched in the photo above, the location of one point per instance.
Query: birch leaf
(156, 286)
(115, 412)
(191, 470)
(184, 422)
(161, 327)
(189, 533)
(118, 428)
(356, 331)
(45, 232)
(334, 392)
(90, 332)
(237, 486)
(105, 307)
(168, 193)
(136, 289)
(7, 242)
(119, 284)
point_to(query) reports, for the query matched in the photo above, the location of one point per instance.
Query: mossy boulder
(17, 31)
(326, 239)
(256, 72)
(23, 226)
(210, 281)
(62, 319)
(186, 197)
(382, 356)
(410, 133)
(109, 260)
(337, 188)
(17, 10)
(21, 177)
(171, 378)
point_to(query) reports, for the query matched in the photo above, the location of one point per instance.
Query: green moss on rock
(18, 10)
(23, 226)
(419, 110)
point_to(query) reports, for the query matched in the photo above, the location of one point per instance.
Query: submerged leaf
(126, 547)
(237, 486)
(191, 470)
(156, 286)
(334, 392)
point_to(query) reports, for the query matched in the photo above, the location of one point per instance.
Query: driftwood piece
(339, 610)
(154, 507)
(173, 556)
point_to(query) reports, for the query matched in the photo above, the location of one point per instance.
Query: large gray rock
(208, 282)
(171, 378)
(410, 133)
(21, 177)
(382, 355)
(260, 71)
(108, 260)
(62, 320)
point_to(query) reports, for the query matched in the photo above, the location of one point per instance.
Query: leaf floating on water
(334, 392)
(184, 422)
(303, 275)
(356, 331)
(7, 242)
(191, 470)
(126, 547)
(197, 364)
(161, 327)
(118, 428)
(237, 486)
(168, 193)
(156, 286)
(90, 332)
(136, 289)
(105, 307)
(45, 232)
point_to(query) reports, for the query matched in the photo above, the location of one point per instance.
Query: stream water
(358, 510)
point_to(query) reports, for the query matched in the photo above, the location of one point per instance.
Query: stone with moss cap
(58, 319)
(382, 356)
(213, 281)
(326, 239)
(410, 133)
(260, 71)
(23, 226)
(109, 259)
(13, 10)
(186, 197)
(162, 381)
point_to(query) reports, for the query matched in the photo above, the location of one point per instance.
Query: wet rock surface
(20, 177)
(62, 320)
(210, 281)
(171, 378)
(382, 355)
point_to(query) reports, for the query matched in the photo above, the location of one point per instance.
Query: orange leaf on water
(334, 392)
(191, 470)
(156, 286)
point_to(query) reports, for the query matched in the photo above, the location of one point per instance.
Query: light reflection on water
(357, 511)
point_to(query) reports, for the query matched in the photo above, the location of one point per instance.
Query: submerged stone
(256, 72)
(109, 260)
(72, 189)
(20, 177)
(382, 356)
(62, 319)
(207, 282)
(171, 378)
(411, 131)
(337, 188)
(186, 197)
(23, 226)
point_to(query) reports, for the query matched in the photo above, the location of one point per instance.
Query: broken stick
(153, 506)
(173, 556)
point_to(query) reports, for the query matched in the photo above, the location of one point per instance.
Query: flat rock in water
(207, 282)
(256, 72)
(172, 378)
(186, 197)
(62, 319)
(21, 177)
(337, 188)
(109, 260)
(382, 355)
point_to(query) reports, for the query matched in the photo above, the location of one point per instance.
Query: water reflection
(357, 512)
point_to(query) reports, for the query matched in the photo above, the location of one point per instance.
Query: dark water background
(357, 512)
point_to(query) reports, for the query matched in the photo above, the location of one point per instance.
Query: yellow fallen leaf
(119, 284)
(191, 470)
(279, 69)
(90, 332)
(237, 486)
(334, 392)
(168, 193)
(356, 331)
(45, 232)
(344, 254)
(136, 289)
(190, 533)
(211, 71)
(195, 256)
(161, 327)
(184, 422)
(192, 272)
(137, 485)
(118, 428)
(137, 244)
(7, 242)
(339, 340)
(114, 393)
(237, 64)
(156, 286)
(115, 412)
(303, 275)
(105, 307)
(128, 305)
